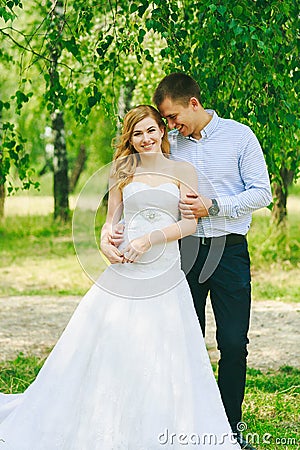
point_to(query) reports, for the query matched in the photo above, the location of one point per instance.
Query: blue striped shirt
(231, 168)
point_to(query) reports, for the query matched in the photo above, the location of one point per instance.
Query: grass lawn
(275, 259)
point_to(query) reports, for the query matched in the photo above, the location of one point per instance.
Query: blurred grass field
(38, 255)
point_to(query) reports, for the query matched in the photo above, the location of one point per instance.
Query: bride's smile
(147, 136)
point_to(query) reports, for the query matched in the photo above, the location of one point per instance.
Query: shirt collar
(212, 124)
(210, 127)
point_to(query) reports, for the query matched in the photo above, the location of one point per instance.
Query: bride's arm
(188, 180)
(113, 216)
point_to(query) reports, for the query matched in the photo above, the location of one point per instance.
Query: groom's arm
(116, 236)
(194, 206)
(256, 191)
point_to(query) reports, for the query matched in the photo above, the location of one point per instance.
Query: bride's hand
(136, 248)
(111, 252)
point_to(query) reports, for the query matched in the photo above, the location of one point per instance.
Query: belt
(230, 239)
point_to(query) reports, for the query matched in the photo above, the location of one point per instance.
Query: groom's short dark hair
(178, 87)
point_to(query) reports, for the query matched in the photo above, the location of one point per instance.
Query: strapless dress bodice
(148, 208)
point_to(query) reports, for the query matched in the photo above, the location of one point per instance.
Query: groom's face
(178, 116)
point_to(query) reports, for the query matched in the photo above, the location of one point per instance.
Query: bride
(130, 371)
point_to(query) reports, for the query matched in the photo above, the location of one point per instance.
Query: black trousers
(230, 291)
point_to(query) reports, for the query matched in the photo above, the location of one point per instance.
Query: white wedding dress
(130, 371)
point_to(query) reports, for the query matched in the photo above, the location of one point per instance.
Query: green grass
(271, 408)
(275, 258)
(268, 245)
(37, 255)
(271, 405)
(18, 374)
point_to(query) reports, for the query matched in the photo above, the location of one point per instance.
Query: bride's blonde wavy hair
(126, 158)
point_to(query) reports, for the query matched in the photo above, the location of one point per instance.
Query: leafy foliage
(244, 57)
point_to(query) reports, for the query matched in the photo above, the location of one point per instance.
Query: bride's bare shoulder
(185, 174)
(183, 168)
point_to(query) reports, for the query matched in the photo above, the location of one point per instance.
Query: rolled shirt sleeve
(254, 175)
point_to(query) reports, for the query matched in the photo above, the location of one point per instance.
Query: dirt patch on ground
(33, 324)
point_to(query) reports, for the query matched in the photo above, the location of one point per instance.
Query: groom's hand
(194, 206)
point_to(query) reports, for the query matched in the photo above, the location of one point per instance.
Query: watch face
(214, 209)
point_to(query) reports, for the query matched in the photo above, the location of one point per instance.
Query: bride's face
(147, 136)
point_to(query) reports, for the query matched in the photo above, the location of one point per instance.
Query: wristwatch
(214, 209)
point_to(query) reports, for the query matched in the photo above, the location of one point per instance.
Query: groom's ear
(194, 102)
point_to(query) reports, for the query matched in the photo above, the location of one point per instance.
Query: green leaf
(133, 8)
(100, 51)
(291, 118)
(185, 57)
(237, 10)
(10, 144)
(92, 101)
(141, 35)
(237, 30)
(72, 47)
(97, 76)
(149, 24)
(6, 16)
(222, 9)
(149, 58)
(261, 45)
(142, 9)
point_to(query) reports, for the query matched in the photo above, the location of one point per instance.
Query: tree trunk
(78, 167)
(281, 194)
(125, 97)
(60, 168)
(2, 200)
(60, 160)
(2, 183)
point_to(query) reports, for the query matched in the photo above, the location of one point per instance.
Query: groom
(233, 182)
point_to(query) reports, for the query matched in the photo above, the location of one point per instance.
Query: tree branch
(31, 50)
